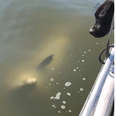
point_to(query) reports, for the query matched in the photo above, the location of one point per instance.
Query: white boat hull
(100, 99)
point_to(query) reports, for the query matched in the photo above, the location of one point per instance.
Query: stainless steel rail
(100, 99)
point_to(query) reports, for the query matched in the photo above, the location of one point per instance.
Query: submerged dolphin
(45, 62)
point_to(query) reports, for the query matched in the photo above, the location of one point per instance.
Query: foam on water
(81, 89)
(63, 107)
(82, 60)
(68, 84)
(68, 94)
(64, 102)
(69, 110)
(54, 106)
(74, 70)
(58, 96)
(83, 78)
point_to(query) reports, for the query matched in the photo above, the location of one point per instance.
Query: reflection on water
(44, 46)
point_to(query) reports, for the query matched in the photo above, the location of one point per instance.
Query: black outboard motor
(103, 16)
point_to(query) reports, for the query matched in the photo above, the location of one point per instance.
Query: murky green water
(43, 45)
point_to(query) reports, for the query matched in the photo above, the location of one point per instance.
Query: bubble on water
(74, 70)
(67, 84)
(51, 79)
(52, 97)
(83, 78)
(69, 110)
(81, 89)
(63, 107)
(58, 96)
(82, 60)
(53, 106)
(64, 102)
(69, 94)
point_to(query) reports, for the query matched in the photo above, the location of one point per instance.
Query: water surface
(43, 45)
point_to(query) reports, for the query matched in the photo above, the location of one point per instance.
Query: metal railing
(100, 99)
